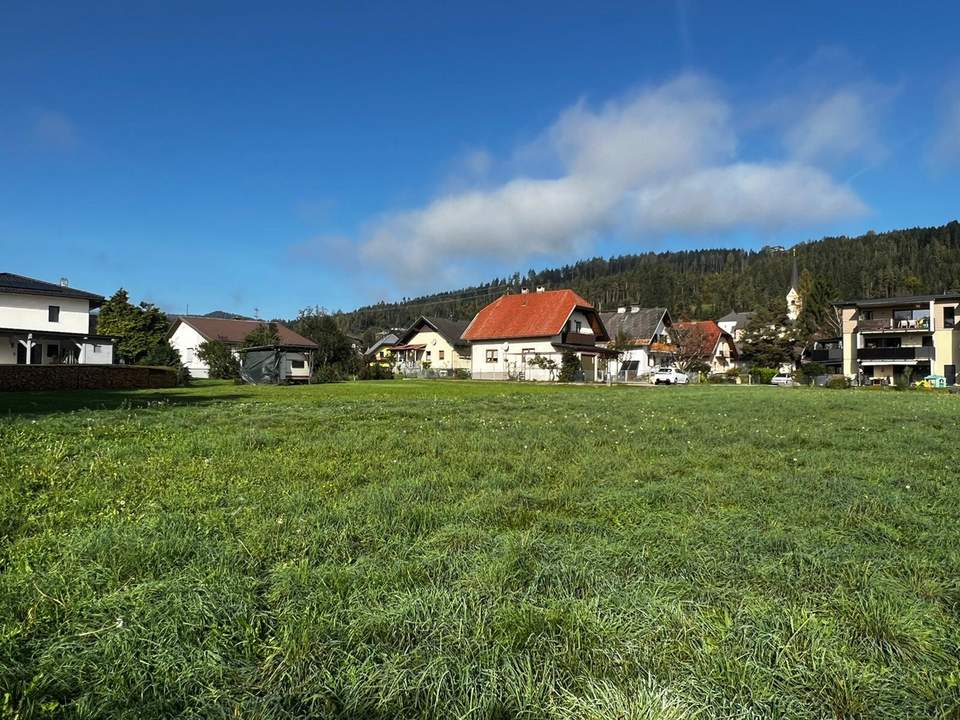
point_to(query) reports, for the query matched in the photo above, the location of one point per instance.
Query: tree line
(707, 284)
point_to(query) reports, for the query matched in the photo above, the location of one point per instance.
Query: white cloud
(660, 160)
(834, 128)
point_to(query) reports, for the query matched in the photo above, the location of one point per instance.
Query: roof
(11, 283)
(449, 330)
(387, 340)
(530, 315)
(235, 332)
(737, 318)
(637, 325)
(904, 300)
(711, 333)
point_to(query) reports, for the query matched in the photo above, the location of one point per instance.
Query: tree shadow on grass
(13, 404)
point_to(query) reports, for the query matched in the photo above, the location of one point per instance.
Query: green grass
(470, 550)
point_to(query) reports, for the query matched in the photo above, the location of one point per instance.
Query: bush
(461, 374)
(161, 355)
(183, 376)
(326, 374)
(811, 370)
(570, 367)
(220, 359)
(375, 371)
(721, 379)
(762, 375)
(838, 382)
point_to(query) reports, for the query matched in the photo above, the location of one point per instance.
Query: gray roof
(906, 300)
(11, 283)
(639, 325)
(449, 330)
(739, 318)
(388, 339)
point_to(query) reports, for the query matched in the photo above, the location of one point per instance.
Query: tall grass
(445, 550)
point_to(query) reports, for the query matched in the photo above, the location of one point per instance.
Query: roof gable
(638, 326)
(529, 315)
(711, 334)
(234, 332)
(449, 330)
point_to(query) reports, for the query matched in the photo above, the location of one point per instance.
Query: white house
(189, 332)
(44, 323)
(642, 335)
(509, 335)
(433, 343)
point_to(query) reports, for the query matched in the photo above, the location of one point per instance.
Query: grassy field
(468, 550)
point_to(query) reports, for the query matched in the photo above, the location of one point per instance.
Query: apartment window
(53, 313)
(491, 356)
(949, 318)
(927, 341)
(297, 364)
(579, 325)
(440, 354)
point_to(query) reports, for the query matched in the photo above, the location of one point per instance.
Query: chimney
(621, 310)
(540, 288)
(524, 291)
(64, 282)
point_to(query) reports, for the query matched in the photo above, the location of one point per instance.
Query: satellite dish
(506, 346)
(434, 341)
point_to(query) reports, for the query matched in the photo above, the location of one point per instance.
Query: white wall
(513, 359)
(434, 344)
(97, 354)
(31, 312)
(186, 340)
(296, 373)
(581, 317)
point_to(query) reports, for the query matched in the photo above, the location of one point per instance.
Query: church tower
(794, 299)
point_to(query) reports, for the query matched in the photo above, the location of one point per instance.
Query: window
(428, 354)
(949, 317)
(491, 356)
(53, 313)
(297, 364)
(440, 354)
(579, 325)
(926, 341)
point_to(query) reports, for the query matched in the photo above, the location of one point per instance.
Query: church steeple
(794, 301)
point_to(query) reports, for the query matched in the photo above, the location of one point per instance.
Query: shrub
(570, 367)
(220, 359)
(162, 354)
(762, 375)
(183, 376)
(461, 374)
(811, 370)
(721, 379)
(326, 374)
(375, 371)
(838, 382)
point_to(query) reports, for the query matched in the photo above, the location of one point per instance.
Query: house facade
(735, 323)
(434, 344)
(883, 338)
(188, 333)
(642, 335)
(509, 335)
(708, 340)
(44, 323)
(381, 352)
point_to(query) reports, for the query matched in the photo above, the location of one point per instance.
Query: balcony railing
(922, 324)
(575, 338)
(895, 353)
(822, 355)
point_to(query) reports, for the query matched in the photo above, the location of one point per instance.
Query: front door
(587, 362)
(36, 354)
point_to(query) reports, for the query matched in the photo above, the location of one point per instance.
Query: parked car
(782, 379)
(669, 376)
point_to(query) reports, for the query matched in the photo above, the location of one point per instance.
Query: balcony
(921, 324)
(574, 338)
(895, 354)
(827, 355)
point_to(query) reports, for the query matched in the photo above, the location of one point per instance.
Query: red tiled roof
(529, 315)
(708, 330)
(236, 331)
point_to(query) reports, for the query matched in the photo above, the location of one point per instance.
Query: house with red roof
(707, 342)
(509, 334)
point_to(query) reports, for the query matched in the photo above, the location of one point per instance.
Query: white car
(782, 379)
(669, 376)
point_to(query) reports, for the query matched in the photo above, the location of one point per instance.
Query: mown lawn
(469, 550)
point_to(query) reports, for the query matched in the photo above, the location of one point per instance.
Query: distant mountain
(706, 284)
(223, 315)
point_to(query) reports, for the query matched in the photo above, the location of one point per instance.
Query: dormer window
(53, 313)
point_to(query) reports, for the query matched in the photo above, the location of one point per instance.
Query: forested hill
(709, 283)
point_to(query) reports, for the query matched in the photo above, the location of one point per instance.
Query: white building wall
(578, 316)
(186, 340)
(435, 344)
(31, 312)
(97, 354)
(512, 357)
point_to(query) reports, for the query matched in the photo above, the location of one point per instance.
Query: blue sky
(232, 156)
